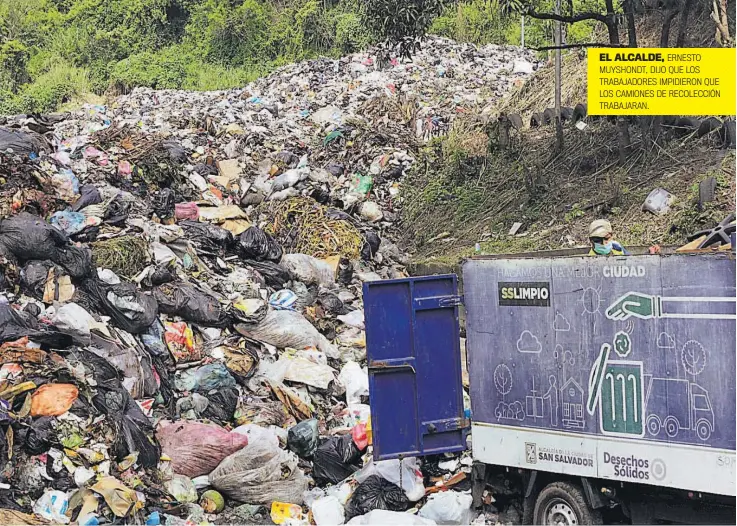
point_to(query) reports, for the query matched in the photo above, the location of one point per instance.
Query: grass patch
(57, 86)
(555, 197)
(126, 255)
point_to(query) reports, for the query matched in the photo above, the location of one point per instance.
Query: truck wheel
(653, 425)
(671, 426)
(703, 429)
(564, 504)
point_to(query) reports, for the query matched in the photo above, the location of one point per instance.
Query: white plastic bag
(389, 470)
(355, 380)
(313, 495)
(52, 506)
(285, 328)
(309, 270)
(389, 518)
(260, 474)
(257, 434)
(75, 321)
(342, 492)
(328, 511)
(182, 489)
(301, 370)
(353, 319)
(448, 507)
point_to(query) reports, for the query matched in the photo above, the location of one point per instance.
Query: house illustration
(572, 401)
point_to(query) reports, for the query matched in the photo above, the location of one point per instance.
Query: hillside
(57, 52)
(484, 189)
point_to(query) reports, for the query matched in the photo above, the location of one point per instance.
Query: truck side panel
(619, 368)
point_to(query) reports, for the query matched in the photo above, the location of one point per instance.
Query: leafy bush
(60, 84)
(13, 62)
(350, 34)
(164, 70)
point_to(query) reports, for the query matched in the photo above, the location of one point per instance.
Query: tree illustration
(503, 379)
(693, 357)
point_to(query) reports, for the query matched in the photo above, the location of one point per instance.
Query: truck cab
(600, 388)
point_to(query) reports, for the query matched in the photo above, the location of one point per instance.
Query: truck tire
(703, 429)
(653, 425)
(563, 503)
(671, 426)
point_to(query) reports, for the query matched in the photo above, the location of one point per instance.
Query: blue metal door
(414, 356)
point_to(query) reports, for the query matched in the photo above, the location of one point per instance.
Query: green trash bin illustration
(621, 403)
(616, 389)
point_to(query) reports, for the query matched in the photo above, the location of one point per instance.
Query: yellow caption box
(661, 81)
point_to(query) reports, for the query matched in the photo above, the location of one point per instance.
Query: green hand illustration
(633, 304)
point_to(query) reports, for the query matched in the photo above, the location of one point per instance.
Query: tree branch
(573, 46)
(567, 19)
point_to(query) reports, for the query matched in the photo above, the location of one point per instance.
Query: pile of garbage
(181, 325)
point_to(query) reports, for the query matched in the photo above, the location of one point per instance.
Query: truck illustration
(673, 405)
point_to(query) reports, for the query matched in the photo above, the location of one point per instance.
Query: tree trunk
(612, 25)
(684, 23)
(631, 29)
(623, 139)
(504, 126)
(558, 82)
(667, 22)
(719, 15)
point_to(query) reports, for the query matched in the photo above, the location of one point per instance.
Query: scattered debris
(181, 317)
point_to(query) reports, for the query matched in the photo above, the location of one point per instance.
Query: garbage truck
(601, 388)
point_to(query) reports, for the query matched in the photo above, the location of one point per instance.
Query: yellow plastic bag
(281, 511)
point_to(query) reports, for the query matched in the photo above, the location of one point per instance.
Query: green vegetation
(484, 22)
(54, 52)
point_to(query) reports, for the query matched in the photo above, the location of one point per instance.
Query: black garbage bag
(187, 301)
(88, 195)
(16, 324)
(117, 211)
(287, 158)
(163, 364)
(176, 151)
(133, 430)
(302, 438)
(223, 403)
(345, 271)
(332, 304)
(25, 236)
(256, 244)
(33, 278)
(334, 213)
(335, 459)
(274, 275)
(128, 308)
(335, 169)
(21, 142)
(205, 169)
(32, 309)
(77, 261)
(376, 493)
(371, 243)
(321, 196)
(163, 203)
(209, 240)
(160, 275)
(40, 435)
